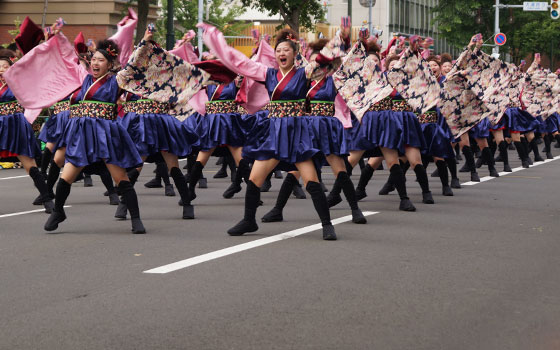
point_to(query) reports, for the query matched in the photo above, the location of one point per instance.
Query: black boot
(164, 174)
(275, 214)
(182, 187)
(397, 178)
(248, 223)
(334, 197)
(547, 144)
(107, 181)
(222, 173)
(365, 177)
(525, 144)
(88, 182)
(194, 176)
(503, 148)
(46, 158)
(298, 191)
(267, 183)
(278, 174)
(458, 152)
(242, 172)
(58, 215)
(39, 181)
(557, 138)
(422, 178)
(156, 181)
(469, 163)
(322, 208)
(350, 194)
(52, 177)
(128, 194)
(521, 153)
(535, 148)
(452, 166)
(444, 177)
(489, 159)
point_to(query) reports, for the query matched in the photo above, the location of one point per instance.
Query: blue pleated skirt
(289, 140)
(437, 141)
(221, 129)
(16, 135)
(89, 140)
(481, 130)
(153, 133)
(329, 135)
(54, 127)
(553, 123)
(520, 120)
(389, 129)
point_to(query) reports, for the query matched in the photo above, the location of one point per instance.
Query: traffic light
(554, 10)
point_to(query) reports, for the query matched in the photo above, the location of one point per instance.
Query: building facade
(97, 19)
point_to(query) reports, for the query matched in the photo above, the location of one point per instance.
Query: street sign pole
(369, 15)
(496, 49)
(200, 13)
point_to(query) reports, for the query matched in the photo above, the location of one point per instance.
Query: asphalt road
(479, 270)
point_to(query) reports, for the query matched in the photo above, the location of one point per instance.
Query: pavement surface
(479, 270)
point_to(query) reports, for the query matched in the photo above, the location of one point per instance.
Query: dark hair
(389, 60)
(108, 49)
(7, 55)
(318, 45)
(445, 57)
(433, 58)
(287, 35)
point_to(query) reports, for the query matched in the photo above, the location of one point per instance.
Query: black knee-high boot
(164, 174)
(267, 183)
(422, 178)
(182, 187)
(322, 208)
(248, 223)
(521, 153)
(46, 158)
(503, 148)
(350, 194)
(397, 177)
(107, 181)
(58, 215)
(489, 160)
(241, 173)
(156, 181)
(275, 214)
(334, 197)
(222, 173)
(547, 143)
(557, 138)
(365, 176)
(535, 148)
(469, 160)
(194, 176)
(52, 177)
(122, 208)
(452, 166)
(40, 184)
(131, 200)
(444, 177)
(527, 149)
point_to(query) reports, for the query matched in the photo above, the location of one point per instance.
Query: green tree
(295, 13)
(186, 18)
(527, 32)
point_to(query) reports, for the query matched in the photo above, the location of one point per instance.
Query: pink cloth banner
(124, 37)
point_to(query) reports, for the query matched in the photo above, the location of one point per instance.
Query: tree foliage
(295, 13)
(529, 32)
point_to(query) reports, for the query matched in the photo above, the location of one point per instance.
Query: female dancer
(286, 136)
(92, 135)
(16, 134)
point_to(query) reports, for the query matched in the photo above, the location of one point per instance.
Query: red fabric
(283, 83)
(315, 87)
(30, 35)
(95, 86)
(6, 154)
(218, 92)
(3, 89)
(217, 71)
(241, 97)
(80, 43)
(322, 60)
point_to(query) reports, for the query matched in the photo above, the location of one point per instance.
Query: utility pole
(170, 37)
(350, 10)
(496, 48)
(200, 14)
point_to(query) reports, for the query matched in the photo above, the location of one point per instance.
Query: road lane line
(246, 246)
(13, 177)
(503, 173)
(28, 212)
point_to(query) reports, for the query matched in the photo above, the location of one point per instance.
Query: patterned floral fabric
(321, 108)
(158, 75)
(360, 81)
(555, 104)
(145, 107)
(413, 79)
(94, 109)
(221, 107)
(400, 106)
(8, 108)
(428, 117)
(385, 104)
(61, 107)
(537, 91)
(281, 109)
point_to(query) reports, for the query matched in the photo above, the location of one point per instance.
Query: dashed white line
(13, 177)
(245, 246)
(28, 212)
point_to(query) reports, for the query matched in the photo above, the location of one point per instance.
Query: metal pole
(369, 16)
(44, 21)
(200, 14)
(170, 37)
(350, 10)
(496, 48)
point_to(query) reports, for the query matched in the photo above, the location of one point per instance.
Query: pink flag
(37, 86)
(186, 52)
(124, 37)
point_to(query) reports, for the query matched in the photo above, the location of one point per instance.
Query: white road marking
(28, 212)
(13, 177)
(503, 173)
(246, 246)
